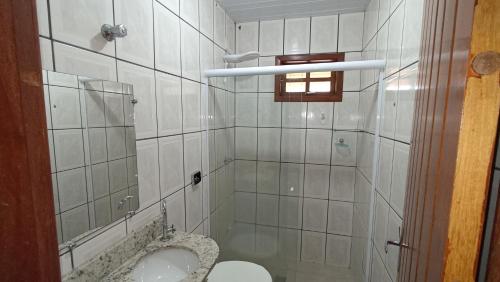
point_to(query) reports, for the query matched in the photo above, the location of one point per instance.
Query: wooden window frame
(336, 79)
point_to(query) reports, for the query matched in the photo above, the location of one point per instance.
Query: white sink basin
(166, 265)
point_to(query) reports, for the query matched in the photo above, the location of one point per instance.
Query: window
(309, 87)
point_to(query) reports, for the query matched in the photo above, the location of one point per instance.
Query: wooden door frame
(443, 243)
(453, 143)
(476, 151)
(28, 237)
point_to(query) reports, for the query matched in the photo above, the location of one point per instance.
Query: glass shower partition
(263, 184)
(255, 194)
(289, 182)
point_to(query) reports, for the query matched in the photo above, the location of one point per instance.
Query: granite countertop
(205, 248)
(116, 262)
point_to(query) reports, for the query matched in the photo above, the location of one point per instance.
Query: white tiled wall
(295, 162)
(169, 44)
(391, 32)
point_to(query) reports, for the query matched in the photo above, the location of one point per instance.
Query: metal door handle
(395, 243)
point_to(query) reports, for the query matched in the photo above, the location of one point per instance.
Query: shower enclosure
(285, 184)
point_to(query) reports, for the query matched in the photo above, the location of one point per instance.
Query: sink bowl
(166, 265)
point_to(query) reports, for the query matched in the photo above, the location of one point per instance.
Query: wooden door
(453, 143)
(28, 240)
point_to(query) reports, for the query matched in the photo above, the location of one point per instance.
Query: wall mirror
(92, 153)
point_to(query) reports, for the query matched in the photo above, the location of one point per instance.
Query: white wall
(391, 32)
(169, 43)
(291, 182)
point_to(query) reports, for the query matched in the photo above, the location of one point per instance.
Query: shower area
(312, 191)
(283, 189)
(286, 189)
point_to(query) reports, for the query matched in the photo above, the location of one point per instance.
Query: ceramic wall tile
(297, 35)
(271, 37)
(170, 161)
(315, 214)
(269, 144)
(167, 40)
(350, 32)
(324, 34)
(190, 55)
(189, 12)
(138, 45)
(67, 27)
(318, 145)
(316, 181)
(247, 37)
(313, 247)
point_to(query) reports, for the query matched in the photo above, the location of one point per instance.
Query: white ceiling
(253, 10)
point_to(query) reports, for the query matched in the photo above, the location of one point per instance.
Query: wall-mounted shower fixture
(238, 58)
(110, 32)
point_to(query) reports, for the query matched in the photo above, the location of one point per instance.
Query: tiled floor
(243, 246)
(311, 272)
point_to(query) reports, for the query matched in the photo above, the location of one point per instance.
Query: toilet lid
(238, 271)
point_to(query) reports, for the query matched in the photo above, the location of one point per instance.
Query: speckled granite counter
(116, 263)
(204, 247)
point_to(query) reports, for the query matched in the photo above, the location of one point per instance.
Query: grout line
(338, 34)
(49, 18)
(257, 133)
(114, 42)
(310, 35)
(84, 107)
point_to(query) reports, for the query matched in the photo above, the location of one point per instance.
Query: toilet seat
(238, 271)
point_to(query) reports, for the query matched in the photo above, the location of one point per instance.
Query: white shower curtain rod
(337, 66)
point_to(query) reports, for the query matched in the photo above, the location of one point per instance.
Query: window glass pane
(295, 87)
(321, 74)
(296, 75)
(319, 86)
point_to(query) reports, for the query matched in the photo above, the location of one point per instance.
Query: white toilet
(238, 271)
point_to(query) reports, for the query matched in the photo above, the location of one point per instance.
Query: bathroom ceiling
(252, 10)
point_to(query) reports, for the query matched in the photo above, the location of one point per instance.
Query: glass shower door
(282, 180)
